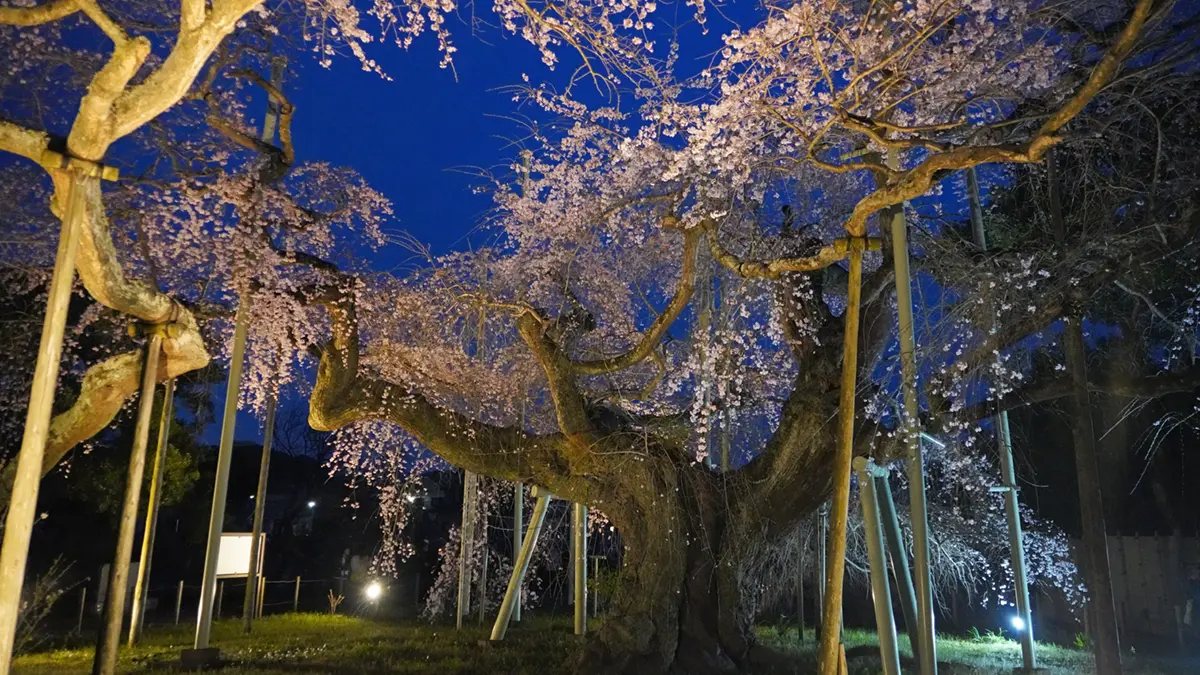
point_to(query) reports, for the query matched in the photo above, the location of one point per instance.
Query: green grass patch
(321, 643)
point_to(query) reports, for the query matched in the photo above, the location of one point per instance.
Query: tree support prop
(1007, 473)
(925, 647)
(108, 640)
(885, 624)
(579, 541)
(895, 543)
(830, 646)
(138, 615)
(466, 537)
(18, 524)
(250, 603)
(513, 593)
(518, 529)
(200, 653)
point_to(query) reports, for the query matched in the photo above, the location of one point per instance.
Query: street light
(374, 590)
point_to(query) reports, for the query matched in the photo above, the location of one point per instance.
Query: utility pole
(104, 661)
(22, 505)
(1008, 474)
(138, 615)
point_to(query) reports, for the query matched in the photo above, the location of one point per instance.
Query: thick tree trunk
(677, 607)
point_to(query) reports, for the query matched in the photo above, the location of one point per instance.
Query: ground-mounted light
(1018, 623)
(374, 590)
(312, 504)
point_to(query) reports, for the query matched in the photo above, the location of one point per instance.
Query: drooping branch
(654, 334)
(344, 395)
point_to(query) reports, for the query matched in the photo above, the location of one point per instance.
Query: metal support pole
(22, 505)
(220, 597)
(138, 616)
(513, 592)
(595, 603)
(918, 510)
(260, 505)
(580, 545)
(1007, 473)
(895, 543)
(296, 596)
(1015, 543)
(104, 661)
(466, 536)
(830, 645)
(885, 624)
(800, 592)
(178, 601)
(518, 518)
(221, 485)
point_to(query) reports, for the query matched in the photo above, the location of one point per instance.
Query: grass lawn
(320, 643)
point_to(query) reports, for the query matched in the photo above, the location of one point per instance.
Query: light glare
(1018, 623)
(374, 590)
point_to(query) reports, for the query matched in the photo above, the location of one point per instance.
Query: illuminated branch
(772, 269)
(654, 334)
(38, 14)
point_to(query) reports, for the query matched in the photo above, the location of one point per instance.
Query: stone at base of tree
(197, 659)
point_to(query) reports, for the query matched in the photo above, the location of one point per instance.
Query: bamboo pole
(22, 505)
(830, 644)
(104, 661)
(138, 616)
(513, 592)
(580, 554)
(260, 504)
(1007, 473)
(208, 585)
(885, 623)
(918, 509)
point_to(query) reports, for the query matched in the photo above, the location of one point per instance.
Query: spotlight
(312, 504)
(374, 590)
(1018, 623)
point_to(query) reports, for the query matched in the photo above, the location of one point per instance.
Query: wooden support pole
(178, 601)
(296, 596)
(138, 616)
(579, 531)
(830, 645)
(260, 505)
(104, 661)
(466, 536)
(22, 504)
(82, 610)
(522, 564)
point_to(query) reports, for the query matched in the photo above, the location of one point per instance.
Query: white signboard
(233, 558)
